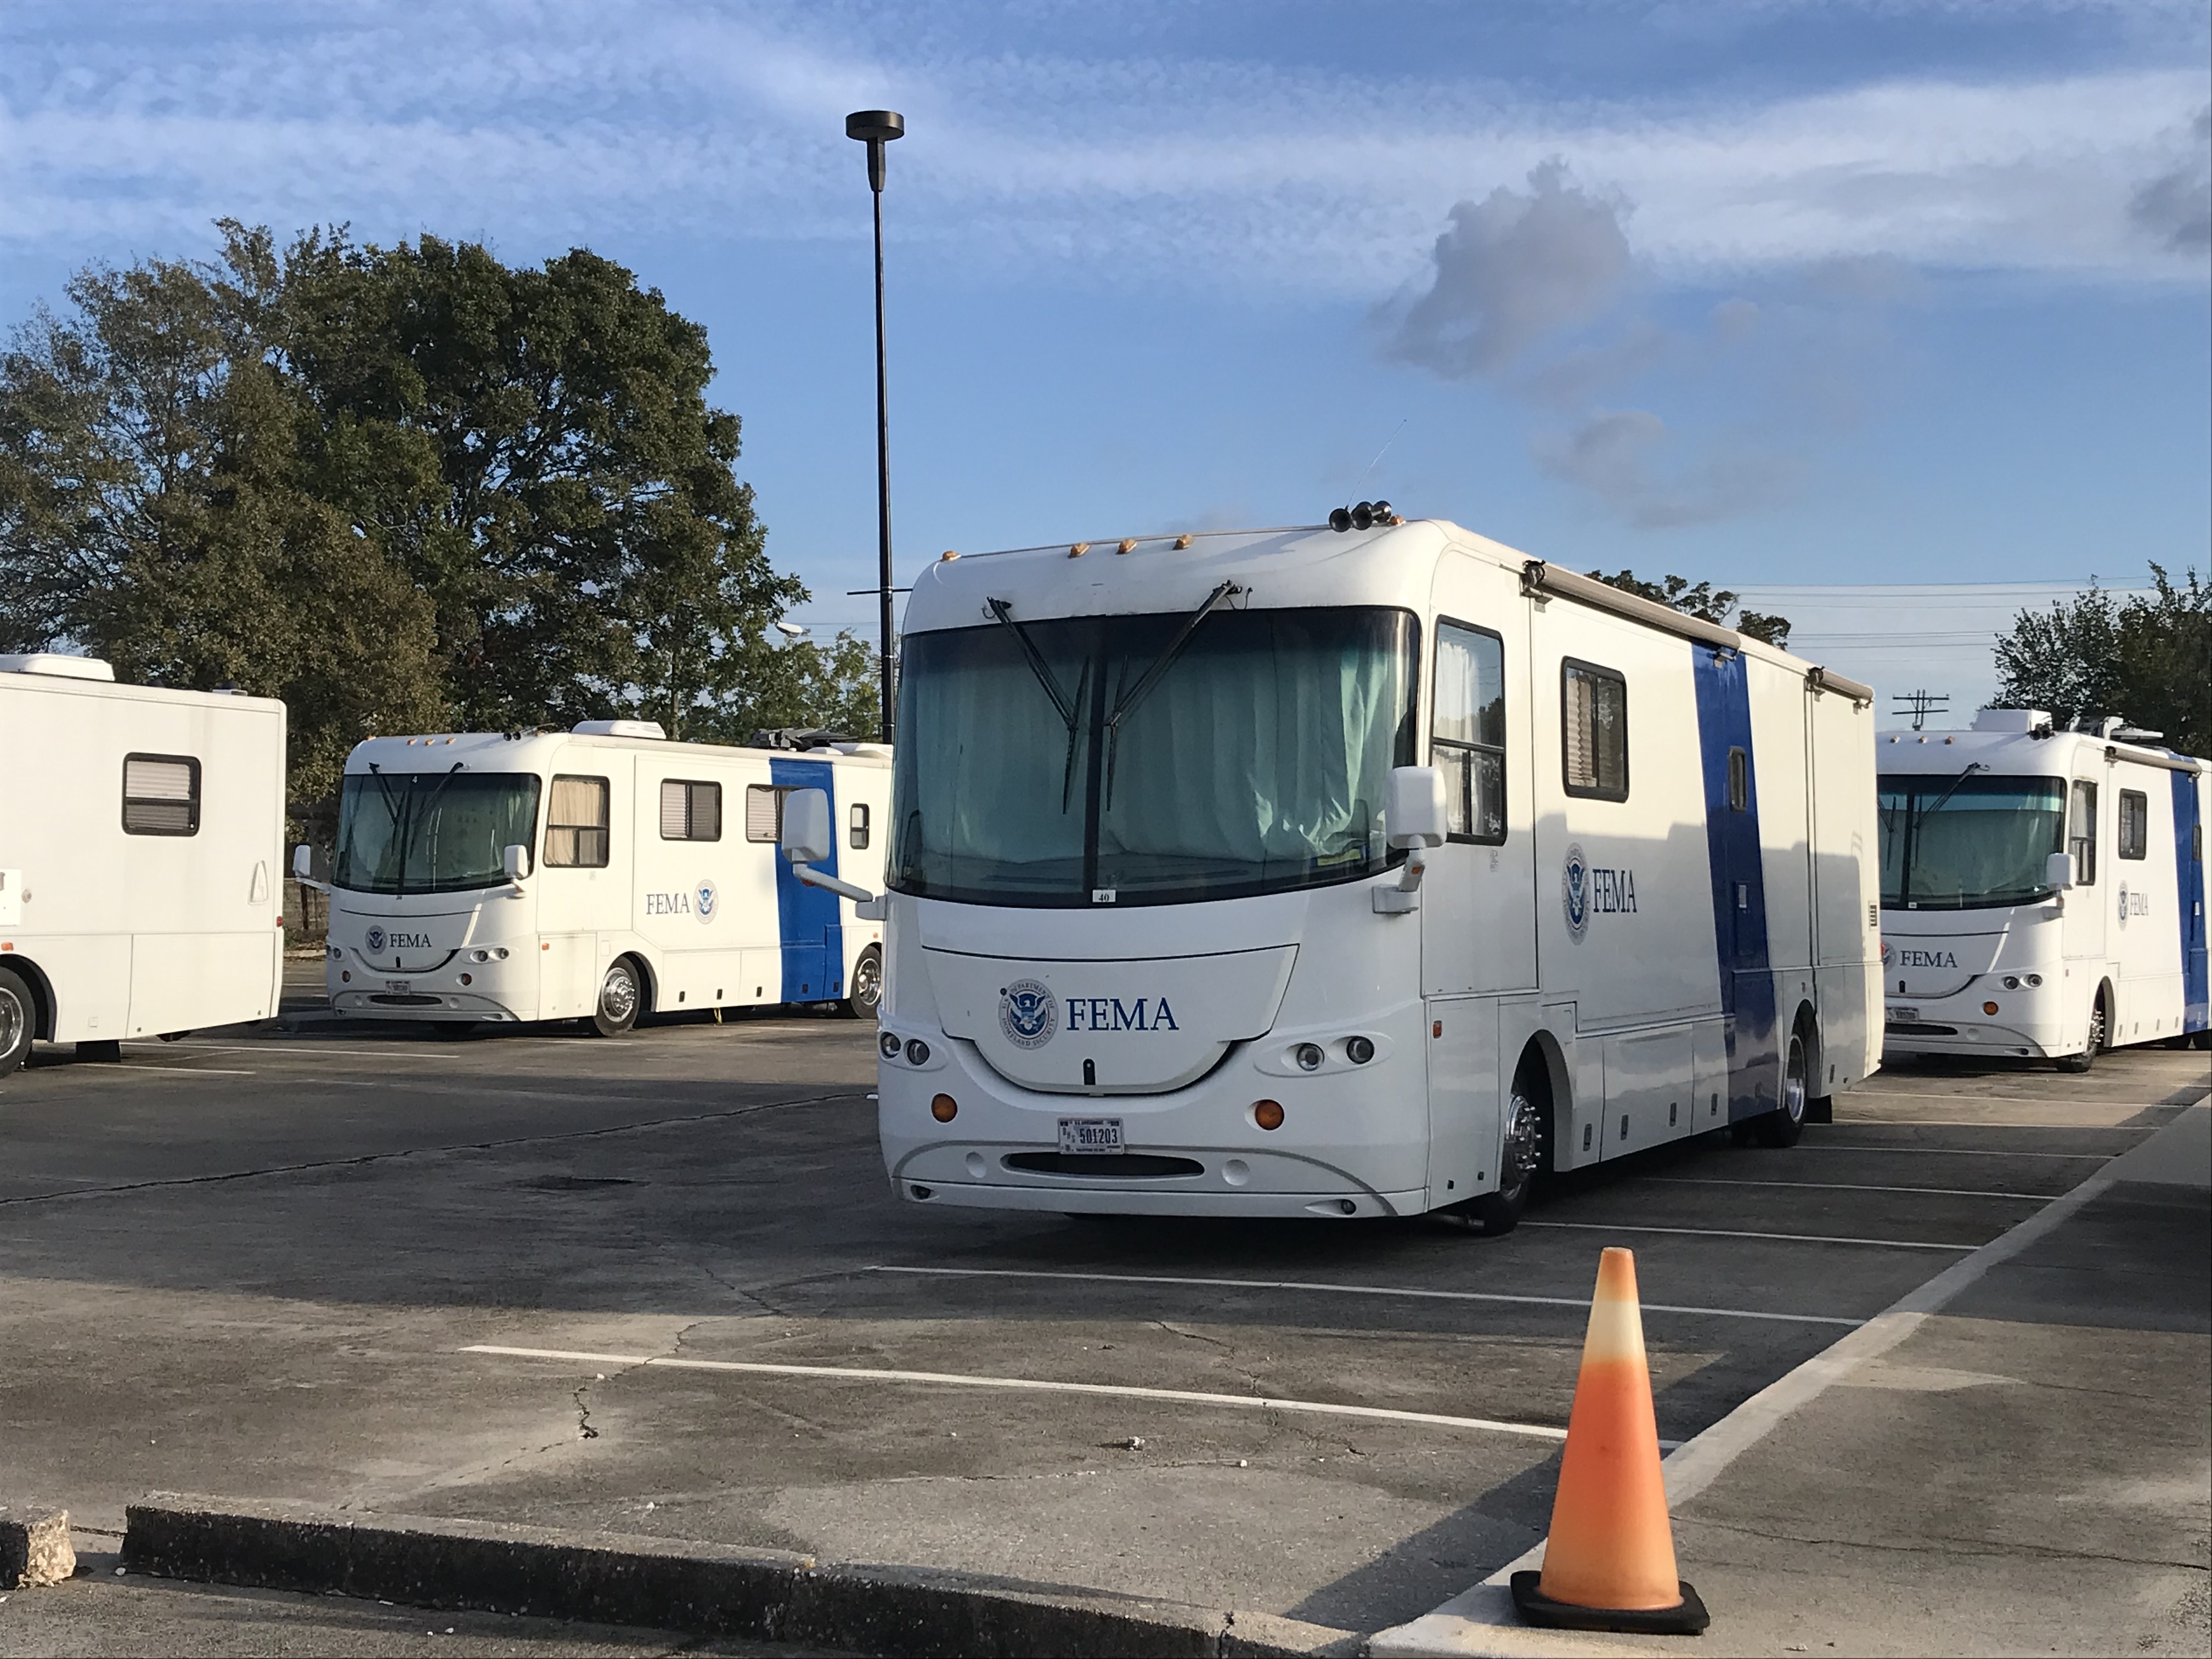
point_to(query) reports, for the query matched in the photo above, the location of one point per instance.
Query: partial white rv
(598, 874)
(2042, 892)
(141, 837)
(1353, 872)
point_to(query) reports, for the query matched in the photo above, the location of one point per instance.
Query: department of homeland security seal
(2124, 904)
(374, 940)
(1028, 1013)
(1575, 889)
(706, 896)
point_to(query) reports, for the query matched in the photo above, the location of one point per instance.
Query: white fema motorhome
(1353, 872)
(2042, 892)
(598, 874)
(141, 844)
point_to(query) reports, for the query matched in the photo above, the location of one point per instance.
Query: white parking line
(1850, 1187)
(1114, 1390)
(139, 1069)
(279, 1046)
(1948, 1151)
(1727, 1233)
(2009, 1100)
(1580, 1302)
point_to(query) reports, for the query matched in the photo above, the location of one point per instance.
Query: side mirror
(303, 863)
(806, 836)
(1415, 811)
(514, 861)
(2059, 873)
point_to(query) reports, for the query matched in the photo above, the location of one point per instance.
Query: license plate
(1904, 1016)
(1089, 1135)
(402, 986)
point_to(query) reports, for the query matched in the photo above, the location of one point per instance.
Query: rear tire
(621, 997)
(18, 1021)
(1524, 1154)
(867, 985)
(1783, 1126)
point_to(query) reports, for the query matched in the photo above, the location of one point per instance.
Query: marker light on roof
(1182, 541)
(1129, 544)
(1078, 550)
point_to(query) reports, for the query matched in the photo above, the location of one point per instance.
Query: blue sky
(1773, 293)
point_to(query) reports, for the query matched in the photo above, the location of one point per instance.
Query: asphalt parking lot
(660, 1285)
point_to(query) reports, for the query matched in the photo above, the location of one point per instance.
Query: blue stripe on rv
(809, 924)
(1732, 847)
(2189, 889)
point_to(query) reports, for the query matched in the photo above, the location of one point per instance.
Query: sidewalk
(2019, 1463)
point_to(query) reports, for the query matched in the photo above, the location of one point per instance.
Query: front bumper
(430, 1004)
(2025, 1030)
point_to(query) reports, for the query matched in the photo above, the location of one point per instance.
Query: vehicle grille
(1123, 1166)
(396, 999)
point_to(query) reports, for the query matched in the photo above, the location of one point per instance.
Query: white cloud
(1626, 458)
(548, 120)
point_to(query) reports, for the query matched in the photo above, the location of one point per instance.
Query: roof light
(1078, 550)
(1182, 541)
(1129, 544)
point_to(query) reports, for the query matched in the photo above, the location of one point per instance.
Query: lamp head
(875, 128)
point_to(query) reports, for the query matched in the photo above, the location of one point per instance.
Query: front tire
(1523, 1152)
(18, 1021)
(867, 987)
(1783, 1126)
(2082, 1062)
(621, 997)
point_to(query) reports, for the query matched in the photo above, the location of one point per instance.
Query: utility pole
(1920, 705)
(876, 128)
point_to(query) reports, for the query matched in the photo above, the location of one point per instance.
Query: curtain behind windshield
(431, 832)
(1984, 845)
(1257, 759)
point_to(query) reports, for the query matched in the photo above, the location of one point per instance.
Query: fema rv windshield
(1965, 843)
(1150, 759)
(431, 832)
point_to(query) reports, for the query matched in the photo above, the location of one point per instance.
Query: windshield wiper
(1126, 705)
(1972, 767)
(1004, 610)
(421, 816)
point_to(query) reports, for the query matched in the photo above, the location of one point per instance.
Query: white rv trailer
(141, 838)
(2042, 891)
(1353, 872)
(599, 874)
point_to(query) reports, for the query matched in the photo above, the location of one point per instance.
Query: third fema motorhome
(2042, 891)
(1353, 872)
(598, 874)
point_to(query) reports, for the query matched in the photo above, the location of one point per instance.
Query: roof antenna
(1381, 452)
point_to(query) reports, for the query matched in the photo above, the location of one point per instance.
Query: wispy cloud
(551, 119)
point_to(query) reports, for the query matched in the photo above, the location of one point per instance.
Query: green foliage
(403, 488)
(2148, 657)
(1704, 602)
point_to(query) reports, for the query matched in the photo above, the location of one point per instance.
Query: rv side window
(1739, 780)
(763, 812)
(2134, 824)
(1467, 733)
(1594, 728)
(859, 818)
(160, 795)
(690, 811)
(2082, 833)
(577, 824)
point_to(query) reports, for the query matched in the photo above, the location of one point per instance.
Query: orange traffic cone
(1609, 1564)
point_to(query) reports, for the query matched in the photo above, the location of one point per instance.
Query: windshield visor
(431, 832)
(1254, 759)
(1954, 844)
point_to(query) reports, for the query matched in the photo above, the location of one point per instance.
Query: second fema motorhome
(598, 874)
(140, 838)
(1359, 871)
(2042, 891)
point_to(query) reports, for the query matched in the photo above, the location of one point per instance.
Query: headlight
(336, 955)
(890, 1045)
(1309, 1056)
(917, 1052)
(2035, 979)
(1359, 1049)
(2011, 983)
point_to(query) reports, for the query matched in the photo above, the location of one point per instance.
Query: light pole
(876, 128)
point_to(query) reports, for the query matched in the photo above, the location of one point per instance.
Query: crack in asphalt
(365, 1158)
(1944, 1544)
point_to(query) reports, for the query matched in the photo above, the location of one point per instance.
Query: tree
(2148, 657)
(1704, 602)
(152, 512)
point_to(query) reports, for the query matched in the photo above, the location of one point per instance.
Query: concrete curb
(678, 1584)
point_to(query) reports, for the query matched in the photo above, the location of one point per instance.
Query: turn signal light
(1267, 1113)
(943, 1109)
(1988, 1008)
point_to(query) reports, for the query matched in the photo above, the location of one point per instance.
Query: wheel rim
(867, 980)
(1793, 1082)
(1518, 1161)
(2096, 1027)
(15, 1020)
(618, 996)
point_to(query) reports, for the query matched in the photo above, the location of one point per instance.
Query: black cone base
(1687, 1618)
